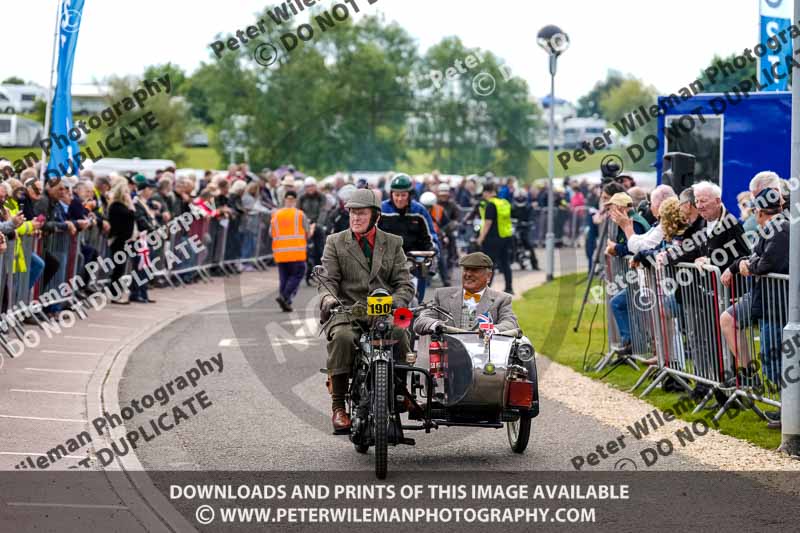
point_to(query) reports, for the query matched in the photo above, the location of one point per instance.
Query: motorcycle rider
(312, 204)
(450, 207)
(337, 218)
(440, 222)
(408, 219)
(357, 261)
(453, 213)
(522, 211)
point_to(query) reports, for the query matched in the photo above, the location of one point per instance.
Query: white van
(20, 98)
(19, 131)
(147, 167)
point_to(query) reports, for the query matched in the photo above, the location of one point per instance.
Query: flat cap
(476, 260)
(621, 199)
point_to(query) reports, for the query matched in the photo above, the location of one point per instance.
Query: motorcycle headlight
(525, 352)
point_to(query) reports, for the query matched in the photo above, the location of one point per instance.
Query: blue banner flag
(64, 149)
(775, 19)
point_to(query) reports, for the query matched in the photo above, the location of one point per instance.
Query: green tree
(220, 89)
(473, 123)
(619, 103)
(725, 83)
(337, 101)
(177, 77)
(164, 141)
(589, 104)
(347, 99)
(13, 80)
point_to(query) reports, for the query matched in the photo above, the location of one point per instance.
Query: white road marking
(58, 371)
(110, 326)
(74, 505)
(238, 311)
(72, 353)
(49, 392)
(279, 337)
(305, 342)
(41, 455)
(309, 327)
(79, 338)
(236, 343)
(45, 419)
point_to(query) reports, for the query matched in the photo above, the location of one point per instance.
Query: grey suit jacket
(351, 277)
(496, 303)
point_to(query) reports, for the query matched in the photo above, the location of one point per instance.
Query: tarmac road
(271, 410)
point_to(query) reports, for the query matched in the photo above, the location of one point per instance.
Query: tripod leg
(604, 361)
(592, 274)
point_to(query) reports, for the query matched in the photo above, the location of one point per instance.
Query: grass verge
(548, 314)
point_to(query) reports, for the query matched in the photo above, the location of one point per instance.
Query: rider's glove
(325, 307)
(437, 328)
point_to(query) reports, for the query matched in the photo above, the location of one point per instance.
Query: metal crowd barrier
(756, 349)
(196, 263)
(562, 224)
(94, 238)
(675, 314)
(691, 346)
(577, 225)
(64, 247)
(19, 299)
(213, 234)
(637, 286)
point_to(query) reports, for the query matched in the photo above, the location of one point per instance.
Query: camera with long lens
(610, 171)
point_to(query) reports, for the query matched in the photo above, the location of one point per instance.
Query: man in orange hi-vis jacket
(289, 229)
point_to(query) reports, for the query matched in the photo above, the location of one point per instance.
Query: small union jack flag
(485, 318)
(144, 253)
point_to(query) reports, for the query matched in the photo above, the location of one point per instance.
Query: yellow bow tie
(472, 296)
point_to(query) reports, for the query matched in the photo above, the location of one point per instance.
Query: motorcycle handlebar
(509, 333)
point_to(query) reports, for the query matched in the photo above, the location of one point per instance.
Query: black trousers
(500, 253)
(51, 264)
(119, 268)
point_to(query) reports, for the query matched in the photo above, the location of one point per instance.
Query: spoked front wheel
(380, 413)
(519, 432)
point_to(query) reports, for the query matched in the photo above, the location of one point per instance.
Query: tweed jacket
(353, 280)
(497, 304)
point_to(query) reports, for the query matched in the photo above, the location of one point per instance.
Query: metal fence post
(790, 398)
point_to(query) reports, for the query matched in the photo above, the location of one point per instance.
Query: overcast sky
(665, 43)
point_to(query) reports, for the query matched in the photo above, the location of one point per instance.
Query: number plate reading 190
(379, 305)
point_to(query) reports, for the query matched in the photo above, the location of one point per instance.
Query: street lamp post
(555, 42)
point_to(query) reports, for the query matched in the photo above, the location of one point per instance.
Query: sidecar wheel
(519, 433)
(380, 412)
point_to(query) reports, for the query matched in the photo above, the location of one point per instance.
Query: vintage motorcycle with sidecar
(473, 379)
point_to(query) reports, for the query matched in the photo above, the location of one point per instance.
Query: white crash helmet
(428, 199)
(309, 181)
(345, 192)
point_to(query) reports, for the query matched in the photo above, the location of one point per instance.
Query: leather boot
(338, 387)
(341, 422)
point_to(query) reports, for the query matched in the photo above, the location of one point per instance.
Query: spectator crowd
(741, 255)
